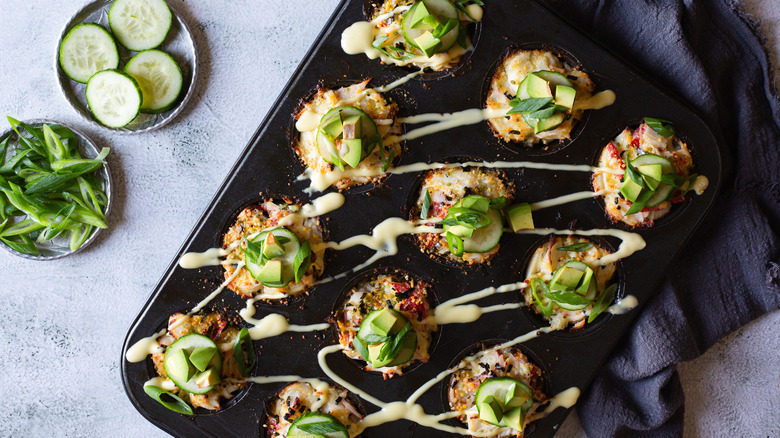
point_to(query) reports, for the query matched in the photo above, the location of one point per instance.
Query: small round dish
(179, 43)
(59, 247)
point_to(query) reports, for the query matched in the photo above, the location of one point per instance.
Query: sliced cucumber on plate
(140, 24)
(159, 77)
(87, 49)
(114, 98)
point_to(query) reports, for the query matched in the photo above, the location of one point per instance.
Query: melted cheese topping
(446, 187)
(359, 37)
(214, 326)
(547, 259)
(504, 362)
(373, 103)
(401, 293)
(643, 140)
(254, 220)
(299, 398)
(503, 88)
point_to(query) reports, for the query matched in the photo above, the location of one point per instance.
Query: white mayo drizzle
(273, 324)
(631, 242)
(456, 311)
(597, 101)
(359, 37)
(317, 207)
(569, 198)
(446, 121)
(564, 399)
(149, 345)
(319, 181)
(383, 239)
(624, 305)
(310, 120)
(700, 184)
(159, 382)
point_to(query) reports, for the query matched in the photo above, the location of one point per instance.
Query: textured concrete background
(63, 322)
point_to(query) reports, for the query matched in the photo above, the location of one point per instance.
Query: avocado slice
(566, 278)
(537, 87)
(179, 366)
(519, 217)
(271, 273)
(332, 128)
(271, 247)
(373, 353)
(207, 378)
(354, 152)
(201, 356)
(630, 190)
(460, 230)
(351, 127)
(428, 43)
(419, 15)
(548, 123)
(564, 96)
(384, 322)
(490, 410)
(515, 418)
(584, 285)
(651, 174)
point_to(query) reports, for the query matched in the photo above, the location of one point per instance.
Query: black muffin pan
(567, 358)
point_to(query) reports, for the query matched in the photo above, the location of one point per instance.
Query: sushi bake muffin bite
(379, 309)
(282, 251)
(644, 172)
(302, 403)
(351, 128)
(541, 93)
(203, 363)
(496, 391)
(468, 203)
(429, 34)
(566, 284)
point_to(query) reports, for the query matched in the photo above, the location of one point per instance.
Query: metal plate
(59, 247)
(179, 43)
(568, 359)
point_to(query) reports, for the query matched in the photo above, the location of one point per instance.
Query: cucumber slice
(369, 133)
(649, 159)
(189, 343)
(486, 238)
(140, 24)
(510, 394)
(159, 77)
(407, 351)
(554, 78)
(114, 98)
(317, 424)
(288, 258)
(87, 49)
(441, 9)
(662, 193)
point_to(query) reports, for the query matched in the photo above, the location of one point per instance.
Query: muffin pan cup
(568, 362)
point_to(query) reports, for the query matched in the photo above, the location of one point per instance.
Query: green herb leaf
(640, 202)
(566, 297)
(244, 352)
(372, 339)
(426, 205)
(528, 105)
(540, 114)
(360, 347)
(387, 162)
(603, 302)
(168, 399)
(577, 247)
(664, 128)
(320, 427)
(443, 28)
(302, 261)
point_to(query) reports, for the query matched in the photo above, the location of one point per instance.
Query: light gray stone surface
(63, 322)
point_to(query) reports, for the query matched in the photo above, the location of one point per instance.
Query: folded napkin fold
(710, 53)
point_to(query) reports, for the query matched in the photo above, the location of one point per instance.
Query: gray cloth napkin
(709, 53)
